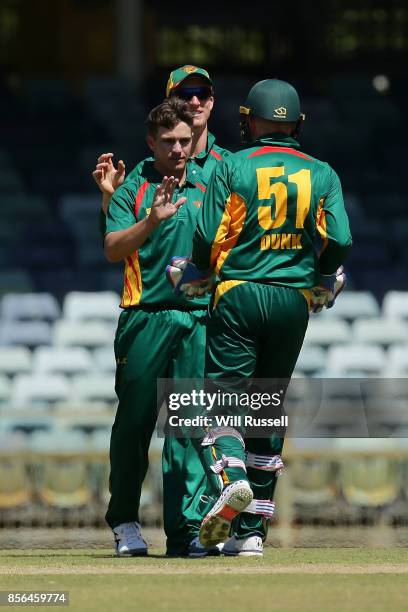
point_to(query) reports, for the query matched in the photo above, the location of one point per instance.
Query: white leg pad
(217, 432)
(226, 462)
(261, 506)
(268, 463)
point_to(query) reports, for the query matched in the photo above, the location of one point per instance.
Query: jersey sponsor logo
(280, 113)
(197, 203)
(281, 241)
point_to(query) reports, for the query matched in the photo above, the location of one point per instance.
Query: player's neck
(178, 174)
(199, 140)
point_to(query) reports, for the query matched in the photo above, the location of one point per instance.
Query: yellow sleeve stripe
(321, 223)
(132, 290)
(228, 232)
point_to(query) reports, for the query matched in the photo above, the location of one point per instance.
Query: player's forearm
(201, 255)
(105, 202)
(122, 243)
(333, 256)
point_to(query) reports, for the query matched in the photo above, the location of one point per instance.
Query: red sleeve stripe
(201, 187)
(264, 150)
(215, 154)
(139, 196)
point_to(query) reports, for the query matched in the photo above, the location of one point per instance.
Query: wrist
(152, 223)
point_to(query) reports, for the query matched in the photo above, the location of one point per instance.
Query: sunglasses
(186, 93)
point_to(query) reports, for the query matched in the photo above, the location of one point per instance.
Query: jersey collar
(277, 139)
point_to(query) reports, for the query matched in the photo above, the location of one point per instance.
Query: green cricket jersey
(264, 208)
(145, 282)
(203, 164)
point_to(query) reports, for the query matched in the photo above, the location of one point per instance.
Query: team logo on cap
(280, 112)
(189, 69)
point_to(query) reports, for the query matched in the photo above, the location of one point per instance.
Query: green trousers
(254, 331)
(150, 345)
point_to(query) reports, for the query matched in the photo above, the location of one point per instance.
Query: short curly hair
(168, 114)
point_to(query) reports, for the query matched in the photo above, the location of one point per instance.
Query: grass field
(318, 580)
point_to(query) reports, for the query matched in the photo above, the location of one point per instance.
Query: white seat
(83, 306)
(397, 361)
(59, 441)
(380, 330)
(78, 333)
(94, 387)
(311, 359)
(26, 333)
(352, 305)
(327, 331)
(39, 389)
(66, 360)
(355, 358)
(15, 360)
(5, 389)
(39, 306)
(395, 304)
(104, 359)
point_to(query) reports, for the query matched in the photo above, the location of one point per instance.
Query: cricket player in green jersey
(185, 490)
(158, 335)
(262, 211)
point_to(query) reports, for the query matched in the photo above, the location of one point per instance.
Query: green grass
(318, 580)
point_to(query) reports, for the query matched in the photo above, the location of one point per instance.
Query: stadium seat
(26, 333)
(39, 390)
(357, 359)
(311, 359)
(94, 387)
(65, 360)
(61, 475)
(395, 304)
(75, 206)
(353, 304)
(80, 333)
(84, 306)
(370, 481)
(29, 306)
(15, 360)
(5, 390)
(324, 332)
(397, 361)
(104, 359)
(380, 330)
(15, 481)
(313, 481)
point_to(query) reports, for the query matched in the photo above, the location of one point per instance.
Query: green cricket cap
(274, 100)
(177, 76)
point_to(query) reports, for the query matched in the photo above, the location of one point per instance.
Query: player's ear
(150, 141)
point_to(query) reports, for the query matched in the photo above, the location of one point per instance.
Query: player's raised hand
(163, 206)
(106, 176)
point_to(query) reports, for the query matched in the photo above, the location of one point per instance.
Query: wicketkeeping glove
(326, 292)
(187, 279)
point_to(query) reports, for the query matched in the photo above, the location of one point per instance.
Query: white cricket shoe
(197, 550)
(216, 525)
(129, 541)
(251, 546)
